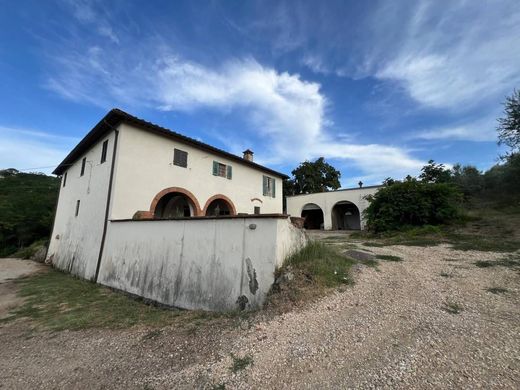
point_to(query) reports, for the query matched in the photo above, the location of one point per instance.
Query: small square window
(104, 152)
(180, 158)
(83, 163)
(222, 170)
(257, 210)
(269, 187)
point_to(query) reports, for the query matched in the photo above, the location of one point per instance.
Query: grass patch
(369, 263)
(508, 263)
(333, 238)
(497, 290)
(322, 263)
(58, 301)
(389, 258)
(446, 275)
(452, 308)
(240, 363)
(373, 244)
(465, 242)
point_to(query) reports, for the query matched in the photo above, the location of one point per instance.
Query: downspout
(109, 195)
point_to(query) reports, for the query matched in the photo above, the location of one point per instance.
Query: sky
(378, 88)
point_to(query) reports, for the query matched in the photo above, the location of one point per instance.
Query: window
(83, 162)
(222, 170)
(180, 158)
(104, 152)
(77, 208)
(257, 210)
(64, 179)
(269, 187)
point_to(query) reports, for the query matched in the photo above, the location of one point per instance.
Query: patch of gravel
(389, 330)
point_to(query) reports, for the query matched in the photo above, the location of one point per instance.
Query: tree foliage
(27, 202)
(311, 177)
(509, 125)
(412, 202)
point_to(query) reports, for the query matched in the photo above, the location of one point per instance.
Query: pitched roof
(116, 116)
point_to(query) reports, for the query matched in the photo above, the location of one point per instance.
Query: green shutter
(229, 172)
(274, 187)
(215, 168)
(265, 185)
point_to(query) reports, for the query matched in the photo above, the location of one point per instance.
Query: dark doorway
(345, 216)
(313, 216)
(218, 207)
(174, 205)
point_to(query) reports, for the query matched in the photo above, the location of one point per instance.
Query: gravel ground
(389, 330)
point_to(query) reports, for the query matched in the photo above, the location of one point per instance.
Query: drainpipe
(109, 195)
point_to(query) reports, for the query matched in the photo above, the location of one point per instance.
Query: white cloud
(288, 112)
(482, 130)
(24, 149)
(452, 55)
(92, 13)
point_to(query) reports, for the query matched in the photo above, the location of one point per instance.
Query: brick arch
(191, 197)
(232, 208)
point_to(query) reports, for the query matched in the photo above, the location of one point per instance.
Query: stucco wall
(200, 263)
(327, 200)
(75, 240)
(145, 167)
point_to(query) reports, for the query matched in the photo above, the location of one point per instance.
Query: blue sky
(377, 88)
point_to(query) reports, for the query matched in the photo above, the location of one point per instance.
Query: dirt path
(390, 330)
(12, 269)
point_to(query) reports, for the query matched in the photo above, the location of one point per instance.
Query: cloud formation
(24, 149)
(289, 112)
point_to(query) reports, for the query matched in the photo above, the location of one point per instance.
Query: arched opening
(313, 216)
(219, 207)
(345, 216)
(175, 205)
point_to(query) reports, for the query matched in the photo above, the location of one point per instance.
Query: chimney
(248, 155)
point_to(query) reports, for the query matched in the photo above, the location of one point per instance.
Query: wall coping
(205, 218)
(340, 190)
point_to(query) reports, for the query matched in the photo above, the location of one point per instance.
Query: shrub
(412, 203)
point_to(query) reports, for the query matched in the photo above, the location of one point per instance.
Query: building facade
(126, 168)
(333, 210)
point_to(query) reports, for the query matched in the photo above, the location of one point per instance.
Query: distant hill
(27, 202)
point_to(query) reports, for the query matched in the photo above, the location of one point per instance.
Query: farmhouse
(333, 210)
(157, 214)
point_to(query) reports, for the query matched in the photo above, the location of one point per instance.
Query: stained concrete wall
(208, 264)
(75, 242)
(327, 200)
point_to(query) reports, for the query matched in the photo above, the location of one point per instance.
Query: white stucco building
(138, 174)
(333, 210)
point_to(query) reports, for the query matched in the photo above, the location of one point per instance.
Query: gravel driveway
(390, 330)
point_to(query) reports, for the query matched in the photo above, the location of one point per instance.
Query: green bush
(412, 203)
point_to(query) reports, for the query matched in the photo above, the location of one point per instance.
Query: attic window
(269, 185)
(180, 158)
(104, 152)
(83, 162)
(222, 170)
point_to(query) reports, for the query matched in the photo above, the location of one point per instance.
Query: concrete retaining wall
(209, 264)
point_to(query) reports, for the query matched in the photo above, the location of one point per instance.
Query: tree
(509, 126)
(435, 173)
(469, 179)
(27, 202)
(312, 177)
